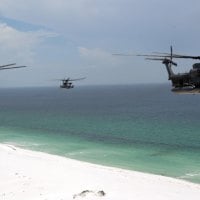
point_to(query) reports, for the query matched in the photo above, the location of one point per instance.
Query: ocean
(145, 128)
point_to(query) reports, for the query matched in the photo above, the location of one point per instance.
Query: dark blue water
(140, 127)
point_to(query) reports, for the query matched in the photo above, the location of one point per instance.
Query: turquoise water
(143, 128)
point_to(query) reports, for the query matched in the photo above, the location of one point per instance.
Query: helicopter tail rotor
(171, 53)
(166, 58)
(171, 57)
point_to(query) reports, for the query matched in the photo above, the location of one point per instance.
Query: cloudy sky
(76, 38)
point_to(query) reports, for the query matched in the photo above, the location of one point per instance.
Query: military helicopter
(67, 83)
(182, 83)
(8, 66)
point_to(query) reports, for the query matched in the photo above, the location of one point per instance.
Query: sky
(76, 38)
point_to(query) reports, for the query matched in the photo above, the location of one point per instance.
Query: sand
(30, 175)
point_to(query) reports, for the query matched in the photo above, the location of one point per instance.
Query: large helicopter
(67, 83)
(8, 66)
(182, 83)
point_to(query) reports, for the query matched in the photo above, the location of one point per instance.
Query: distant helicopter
(7, 66)
(67, 83)
(182, 83)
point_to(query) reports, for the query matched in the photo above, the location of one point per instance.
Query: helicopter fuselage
(185, 83)
(186, 90)
(66, 84)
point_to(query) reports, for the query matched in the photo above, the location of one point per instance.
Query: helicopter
(182, 83)
(67, 83)
(8, 66)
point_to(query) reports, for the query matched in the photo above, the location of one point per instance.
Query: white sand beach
(29, 175)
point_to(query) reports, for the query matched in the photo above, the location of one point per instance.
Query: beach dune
(30, 175)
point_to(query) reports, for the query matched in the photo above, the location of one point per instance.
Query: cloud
(97, 57)
(80, 18)
(20, 45)
(152, 23)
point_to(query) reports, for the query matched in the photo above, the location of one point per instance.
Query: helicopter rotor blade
(68, 79)
(159, 59)
(7, 65)
(184, 56)
(77, 79)
(121, 54)
(56, 80)
(4, 68)
(154, 55)
(167, 55)
(171, 53)
(159, 54)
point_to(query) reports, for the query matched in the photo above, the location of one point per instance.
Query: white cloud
(98, 57)
(141, 21)
(18, 45)
(72, 17)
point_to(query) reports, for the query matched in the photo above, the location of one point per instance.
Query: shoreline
(32, 175)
